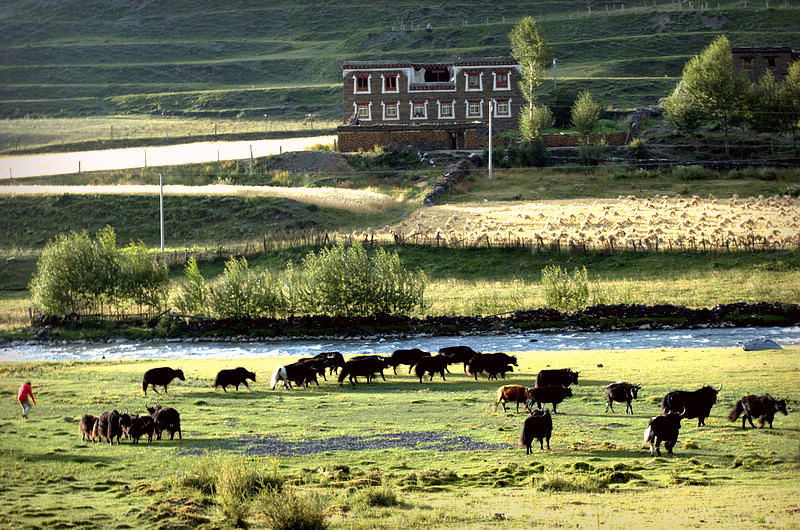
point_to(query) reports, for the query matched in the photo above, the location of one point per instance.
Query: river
(540, 341)
(135, 157)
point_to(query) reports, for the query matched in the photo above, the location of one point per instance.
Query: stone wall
(571, 140)
(424, 137)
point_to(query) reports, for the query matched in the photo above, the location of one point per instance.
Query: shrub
(585, 114)
(579, 482)
(565, 291)
(193, 298)
(637, 148)
(242, 292)
(532, 126)
(532, 153)
(691, 173)
(591, 154)
(377, 496)
(288, 510)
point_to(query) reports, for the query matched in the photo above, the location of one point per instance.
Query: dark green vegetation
(236, 59)
(431, 455)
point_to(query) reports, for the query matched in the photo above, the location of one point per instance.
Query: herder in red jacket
(22, 397)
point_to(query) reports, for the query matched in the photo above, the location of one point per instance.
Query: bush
(580, 482)
(585, 114)
(637, 148)
(193, 298)
(592, 154)
(532, 126)
(691, 173)
(242, 292)
(564, 291)
(286, 510)
(532, 153)
(380, 496)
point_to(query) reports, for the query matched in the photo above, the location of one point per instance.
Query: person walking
(22, 397)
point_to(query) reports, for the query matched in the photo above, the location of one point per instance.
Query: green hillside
(223, 59)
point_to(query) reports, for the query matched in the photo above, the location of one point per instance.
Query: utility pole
(555, 83)
(161, 207)
(491, 105)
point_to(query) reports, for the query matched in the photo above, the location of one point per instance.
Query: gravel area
(424, 440)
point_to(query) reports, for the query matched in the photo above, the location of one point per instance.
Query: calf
(623, 393)
(432, 365)
(161, 377)
(86, 427)
(761, 407)
(663, 429)
(515, 393)
(539, 426)
(409, 357)
(237, 376)
(695, 404)
(459, 354)
(108, 426)
(549, 394)
(560, 377)
(165, 419)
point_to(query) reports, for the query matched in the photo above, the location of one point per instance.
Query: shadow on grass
(70, 458)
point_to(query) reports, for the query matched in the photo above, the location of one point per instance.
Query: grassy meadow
(448, 460)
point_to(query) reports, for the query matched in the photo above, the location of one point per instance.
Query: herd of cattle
(552, 386)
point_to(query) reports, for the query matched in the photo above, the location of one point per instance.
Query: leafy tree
(789, 94)
(529, 47)
(245, 293)
(534, 122)
(585, 114)
(680, 112)
(766, 114)
(710, 88)
(141, 282)
(193, 298)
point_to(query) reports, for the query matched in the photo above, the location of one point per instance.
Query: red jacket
(24, 392)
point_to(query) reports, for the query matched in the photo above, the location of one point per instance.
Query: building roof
(469, 61)
(763, 49)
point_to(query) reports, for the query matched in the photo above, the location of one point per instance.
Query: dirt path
(62, 163)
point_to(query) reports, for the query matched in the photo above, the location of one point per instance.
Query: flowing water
(538, 341)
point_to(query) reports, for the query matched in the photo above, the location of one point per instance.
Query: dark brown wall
(759, 62)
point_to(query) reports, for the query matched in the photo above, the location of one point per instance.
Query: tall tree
(529, 47)
(710, 87)
(585, 114)
(789, 94)
(766, 115)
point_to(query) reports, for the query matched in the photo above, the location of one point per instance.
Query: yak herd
(551, 386)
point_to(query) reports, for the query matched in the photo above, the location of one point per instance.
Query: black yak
(160, 377)
(367, 366)
(663, 429)
(491, 363)
(165, 419)
(135, 426)
(539, 426)
(560, 377)
(761, 407)
(333, 360)
(695, 404)
(235, 377)
(623, 393)
(459, 354)
(108, 426)
(432, 365)
(409, 357)
(549, 394)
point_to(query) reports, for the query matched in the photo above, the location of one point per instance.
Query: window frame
(368, 77)
(391, 104)
(478, 102)
(424, 104)
(441, 103)
(470, 75)
(507, 85)
(358, 105)
(385, 78)
(505, 101)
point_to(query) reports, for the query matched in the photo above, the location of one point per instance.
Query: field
(437, 448)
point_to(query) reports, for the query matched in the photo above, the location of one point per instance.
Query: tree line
(80, 274)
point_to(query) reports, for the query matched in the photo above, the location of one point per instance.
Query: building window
(771, 62)
(474, 81)
(502, 108)
(391, 110)
(474, 108)
(361, 84)
(747, 63)
(446, 110)
(390, 83)
(501, 81)
(364, 111)
(419, 110)
(437, 75)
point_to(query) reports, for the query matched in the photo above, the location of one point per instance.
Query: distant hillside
(205, 58)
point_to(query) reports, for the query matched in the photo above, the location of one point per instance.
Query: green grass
(724, 476)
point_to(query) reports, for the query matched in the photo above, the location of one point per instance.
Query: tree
(534, 122)
(709, 88)
(529, 47)
(585, 114)
(766, 115)
(789, 94)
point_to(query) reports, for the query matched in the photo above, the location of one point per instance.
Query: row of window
(390, 83)
(418, 110)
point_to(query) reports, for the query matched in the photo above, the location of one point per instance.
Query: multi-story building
(429, 105)
(754, 61)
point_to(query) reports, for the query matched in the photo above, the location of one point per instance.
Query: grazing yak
(135, 426)
(161, 377)
(548, 394)
(695, 404)
(108, 427)
(165, 419)
(459, 354)
(492, 364)
(318, 365)
(237, 376)
(663, 429)
(432, 365)
(86, 427)
(560, 377)
(761, 407)
(333, 360)
(539, 426)
(409, 357)
(297, 373)
(366, 365)
(517, 393)
(623, 393)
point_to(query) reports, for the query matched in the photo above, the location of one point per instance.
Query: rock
(760, 344)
